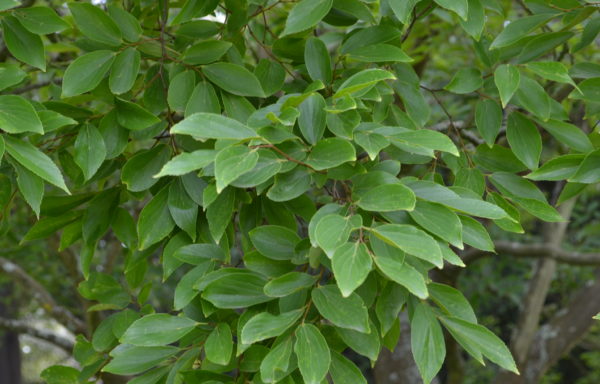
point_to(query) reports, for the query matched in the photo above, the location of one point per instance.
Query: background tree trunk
(10, 350)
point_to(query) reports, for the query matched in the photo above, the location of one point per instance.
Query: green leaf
(351, 264)
(358, 83)
(267, 166)
(184, 291)
(133, 117)
(206, 52)
(232, 162)
(507, 79)
(317, 59)
(389, 304)
(10, 74)
(17, 115)
(551, 70)
(219, 345)
(313, 353)
(203, 99)
(275, 365)
(332, 231)
(90, 150)
(155, 221)
(128, 24)
(412, 241)
(345, 312)
(265, 325)
(212, 126)
(197, 254)
(388, 197)
(138, 170)
(53, 120)
(124, 71)
(425, 139)
(330, 153)
(312, 118)
(234, 79)
(532, 96)
(271, 75)
(466, 80)
(452, 301)
(524, 139)
(306, 14)
(34, 160)
(589, 170)
(476, 335)
(568, 134)
(402, 9)
(559, 168)
(519, 29)
(236, 291)
(288, 284)
(475, 21)
(219, 213)
(183, 209)
(274, 242)
(427, 342)
(460, 7)
(488, 118)
(131, 360)
(439, 220)
(475, 234)
(7, 4)
(187, 162)
(95, 24)
(60, 374)
(85, 72)
(589, 90)
(22, 44)
(31, 187)
(390, 261)
(344, 371)
(366, 344)
(180, 90)
(41, 20)
(371, 142)
(157, 329)
(380, 53)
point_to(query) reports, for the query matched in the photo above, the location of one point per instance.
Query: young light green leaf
(551, 70)
(85, 72)
(34, 160)
(306, 14)
(265, 326)
(351, 265)
(124, 71)
(358, 83)
(232, 162)
(17, 115)
(219, 345)
(95, 24)
(507, 79)
(388, 197)
(90, 150)
(157, 329)
(313, 353)
(345, 312)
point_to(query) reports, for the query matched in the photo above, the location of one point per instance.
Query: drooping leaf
(313, 353)
(345, 312)
(22, 44)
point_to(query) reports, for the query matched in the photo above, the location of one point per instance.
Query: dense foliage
(283, 161)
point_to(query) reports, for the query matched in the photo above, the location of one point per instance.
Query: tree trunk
(10, 350)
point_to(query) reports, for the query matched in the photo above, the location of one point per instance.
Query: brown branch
(23, 328)
(59, 313)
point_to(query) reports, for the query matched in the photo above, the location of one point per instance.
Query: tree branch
(59, 313)
(24, 328)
